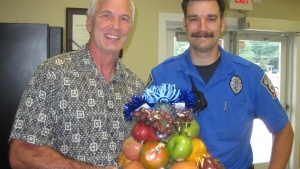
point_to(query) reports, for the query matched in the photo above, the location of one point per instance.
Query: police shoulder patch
(266, 82)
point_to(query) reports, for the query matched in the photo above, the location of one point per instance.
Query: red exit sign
(240, 4)
(241, 1)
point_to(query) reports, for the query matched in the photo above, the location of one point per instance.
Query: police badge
(236, 84)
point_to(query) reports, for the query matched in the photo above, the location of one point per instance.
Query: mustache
(203, 34)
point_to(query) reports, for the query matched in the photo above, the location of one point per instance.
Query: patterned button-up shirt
(69, 107)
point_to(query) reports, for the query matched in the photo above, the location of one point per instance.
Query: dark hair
(221, 4)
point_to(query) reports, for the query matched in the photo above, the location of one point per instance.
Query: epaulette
(240, 60)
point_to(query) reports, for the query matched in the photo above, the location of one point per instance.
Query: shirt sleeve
(268, 107)
(34, 120)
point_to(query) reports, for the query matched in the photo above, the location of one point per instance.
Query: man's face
(203, 25)
(111, 25)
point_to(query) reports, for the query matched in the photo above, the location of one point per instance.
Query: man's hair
(221, 4)
(92, 8)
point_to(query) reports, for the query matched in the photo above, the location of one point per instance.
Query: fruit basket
(165, 133)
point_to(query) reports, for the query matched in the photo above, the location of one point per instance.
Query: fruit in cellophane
(158, 120)
(190, 129)
(154, 155)
(143, 133)
(134, 165)
(209, 162)
(199, 151)
(184, 165)
(131, 149)
(160, 139)
(122, 160)
(167, 132)
(179, 147)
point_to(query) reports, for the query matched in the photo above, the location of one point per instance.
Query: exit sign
(240, 4)
(241, 1)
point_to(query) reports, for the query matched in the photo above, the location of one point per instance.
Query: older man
(71, 114)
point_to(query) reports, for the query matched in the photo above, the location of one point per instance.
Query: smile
(112, 36)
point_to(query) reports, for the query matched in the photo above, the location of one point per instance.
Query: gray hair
(91, 9)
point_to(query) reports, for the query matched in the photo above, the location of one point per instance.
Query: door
(269, 52)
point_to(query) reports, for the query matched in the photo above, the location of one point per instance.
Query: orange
(184, 165)
(122, 160)
(134, 165)
(199, 149)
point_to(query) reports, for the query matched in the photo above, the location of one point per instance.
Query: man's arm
(25, 155)
(282, 147)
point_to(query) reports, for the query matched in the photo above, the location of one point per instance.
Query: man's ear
(223, 24)
(184, 25)
(88, 23)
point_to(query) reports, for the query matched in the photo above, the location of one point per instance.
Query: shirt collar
(85, 63)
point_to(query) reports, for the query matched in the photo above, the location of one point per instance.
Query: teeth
(113, 36)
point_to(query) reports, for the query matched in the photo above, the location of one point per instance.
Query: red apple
(154, 155)
(210, 162)
(131, 149)
(143, 133)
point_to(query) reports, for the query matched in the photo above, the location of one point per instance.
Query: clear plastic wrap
(164, 130)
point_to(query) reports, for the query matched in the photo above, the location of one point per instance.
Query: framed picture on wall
(76, 32)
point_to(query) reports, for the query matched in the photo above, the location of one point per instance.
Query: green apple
(190, 129)
(179, 147)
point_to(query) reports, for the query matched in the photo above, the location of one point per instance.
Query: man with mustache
(236, 90)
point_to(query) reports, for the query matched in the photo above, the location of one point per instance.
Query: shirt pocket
(236, 120)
